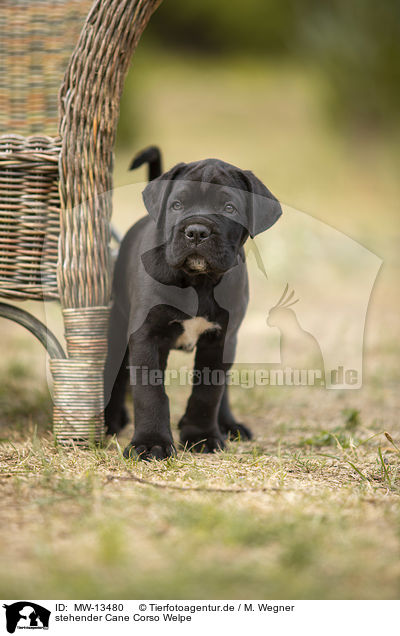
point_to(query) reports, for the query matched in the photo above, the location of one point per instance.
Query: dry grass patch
(257, 520)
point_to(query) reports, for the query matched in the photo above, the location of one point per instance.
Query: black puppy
(180, 282)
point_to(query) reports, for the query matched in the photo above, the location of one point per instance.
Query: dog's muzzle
(201, 244)
(193, 244)
(196, 233)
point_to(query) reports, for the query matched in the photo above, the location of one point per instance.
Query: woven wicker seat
(56, 160)
(29, 217)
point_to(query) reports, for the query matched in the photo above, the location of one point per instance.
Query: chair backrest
(37, 38)
(55, 191)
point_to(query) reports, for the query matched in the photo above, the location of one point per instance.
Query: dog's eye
(177, 205)
(229, 207)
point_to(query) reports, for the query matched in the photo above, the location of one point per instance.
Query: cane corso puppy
(180, 282)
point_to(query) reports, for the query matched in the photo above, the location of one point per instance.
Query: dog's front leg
(199, 430)
(228, 425)
(152, 437)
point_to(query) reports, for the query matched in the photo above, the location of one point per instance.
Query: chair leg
(78, 380)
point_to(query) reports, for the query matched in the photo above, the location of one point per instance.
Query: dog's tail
(151, 156)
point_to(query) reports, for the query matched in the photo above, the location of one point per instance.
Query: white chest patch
(192, 330)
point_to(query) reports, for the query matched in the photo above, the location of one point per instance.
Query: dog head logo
(26, 615)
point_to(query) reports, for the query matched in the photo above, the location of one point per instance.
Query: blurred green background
(354, 47)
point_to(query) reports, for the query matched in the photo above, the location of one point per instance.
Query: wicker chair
(55, 190)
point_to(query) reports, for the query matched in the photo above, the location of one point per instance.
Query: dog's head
(206, 210)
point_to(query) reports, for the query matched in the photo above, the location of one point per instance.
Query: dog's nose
(197, 233)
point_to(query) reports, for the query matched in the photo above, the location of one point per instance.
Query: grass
(20, 405)
(342, 435)
(271, 518)
(309, 508)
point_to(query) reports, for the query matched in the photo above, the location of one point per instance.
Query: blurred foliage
(355, 45)
(227, 26)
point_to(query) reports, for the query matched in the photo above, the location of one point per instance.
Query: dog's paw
(236, 431)
(152, 449)
(194, 438)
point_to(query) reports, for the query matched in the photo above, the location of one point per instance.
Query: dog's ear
(263, 208)
(156, 192)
